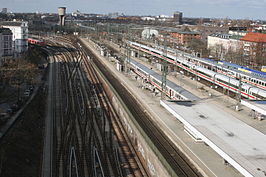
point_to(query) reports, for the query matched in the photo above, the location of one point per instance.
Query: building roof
(238, 143)
(226, 36)
(186, 32)
(12, 23)
(220, 35)
(5, 31)
(255, 37)
(189, 32)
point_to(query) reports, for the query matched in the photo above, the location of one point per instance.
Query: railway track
(117, 125)
(86, 134)
(175, 158)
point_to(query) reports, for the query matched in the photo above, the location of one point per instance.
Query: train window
(257, 96)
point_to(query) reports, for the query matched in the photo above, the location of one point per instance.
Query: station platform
(239, 144)
(257, 106)
(205, 158)
(180, 90)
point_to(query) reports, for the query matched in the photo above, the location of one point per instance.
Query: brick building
(184, 38)
(254, 46)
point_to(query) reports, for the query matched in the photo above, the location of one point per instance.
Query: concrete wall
(147, 155)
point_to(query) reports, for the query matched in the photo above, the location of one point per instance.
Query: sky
(244, 9)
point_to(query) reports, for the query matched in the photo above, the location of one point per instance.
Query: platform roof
(256, 105)
(171, 84)
(241, 145)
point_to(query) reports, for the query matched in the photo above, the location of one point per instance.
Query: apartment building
(20, 35)
(6, 44)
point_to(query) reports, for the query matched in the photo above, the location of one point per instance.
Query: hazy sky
(252, 9)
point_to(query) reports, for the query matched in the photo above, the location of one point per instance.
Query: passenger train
(220, 76)
(253, 77)
(172, 90)
(36, 41)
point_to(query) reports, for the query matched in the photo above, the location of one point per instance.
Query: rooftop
(255, 37)
(241, 145)
(226, 36)
(184, 32)
(12, 23)
(5, 31)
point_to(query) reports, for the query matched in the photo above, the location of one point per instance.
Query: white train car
(247, 90)
(173, 91)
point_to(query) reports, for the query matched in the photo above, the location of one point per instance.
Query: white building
(148, 33)
(223, 43)
(6, 48)
(238, 33)
(261, 27)
(20, 35)
(148, 18)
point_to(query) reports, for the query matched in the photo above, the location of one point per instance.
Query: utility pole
(239, 93)
(128, 46)
(127, 60)
(164, 71)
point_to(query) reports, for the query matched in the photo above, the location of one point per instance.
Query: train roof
(208, 59)
(254, 73)
(170, 84)
(35, 39)
(258, 72)
(242, 67)
(230, 64)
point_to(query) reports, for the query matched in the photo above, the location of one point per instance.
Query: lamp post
(164, 71)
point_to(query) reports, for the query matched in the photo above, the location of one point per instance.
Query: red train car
(36, 41)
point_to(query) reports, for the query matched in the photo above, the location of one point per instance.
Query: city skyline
(251, 9)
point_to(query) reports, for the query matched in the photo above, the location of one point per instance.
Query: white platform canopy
(256, 105)
(239, 144)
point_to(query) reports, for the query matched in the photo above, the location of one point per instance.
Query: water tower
(62, 14)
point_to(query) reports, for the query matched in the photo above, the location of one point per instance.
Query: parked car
(27, 93)
(15, 107)
(10, 111)
(3, 118)
(31, 88)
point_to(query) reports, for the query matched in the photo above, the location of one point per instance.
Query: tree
(199, 46)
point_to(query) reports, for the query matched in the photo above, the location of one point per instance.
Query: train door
(237, 76)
